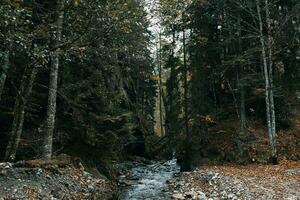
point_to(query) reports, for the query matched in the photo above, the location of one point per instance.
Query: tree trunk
(241, 84)
(242, 109)
(4, 71)
(272, 106)
(51, 109)
(269, 93)
(160, 90)
(19, 111)
(6, 54)
(169, 109)
(187, 162)
(241, 87)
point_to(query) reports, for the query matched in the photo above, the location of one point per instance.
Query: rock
(178, 196)
(5, 165)
(39, 172)
(86, 174)
(231, 196)
(201, 196)
(191, 194)
(128, 182)
(91, 188)
(187, 184)
(224, 195)
(122, 177)
(3, 172)
(214, 194)
(181, 183)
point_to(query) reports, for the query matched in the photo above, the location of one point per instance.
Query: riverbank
(51, 180)
(239, 182)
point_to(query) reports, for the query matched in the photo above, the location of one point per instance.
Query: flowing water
(150, 181)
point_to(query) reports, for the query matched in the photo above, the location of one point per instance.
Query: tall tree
(51, 108)
(267, 65)
(186, 166)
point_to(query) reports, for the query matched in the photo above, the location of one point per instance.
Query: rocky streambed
(147, 181)
(162, 181)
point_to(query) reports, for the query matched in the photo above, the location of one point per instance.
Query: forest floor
(267, 182)
(37, 180)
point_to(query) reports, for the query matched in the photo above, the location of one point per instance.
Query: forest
(149, 99)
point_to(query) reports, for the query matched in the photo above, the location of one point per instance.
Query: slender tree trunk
(170, 100)
(272, 105)
(241, 86)
(160, 89)
(19, 111)
(169, 129)
(269, 92)
(4, 71)
(51, 109)
(243, 128)
(243, 109)
(214, 92)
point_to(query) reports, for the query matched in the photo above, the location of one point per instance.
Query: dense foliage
(225, 72)
(83, 77)
(105, 95)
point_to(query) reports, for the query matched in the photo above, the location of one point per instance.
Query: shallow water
(150, 181)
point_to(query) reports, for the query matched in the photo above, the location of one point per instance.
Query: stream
(148, 181)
